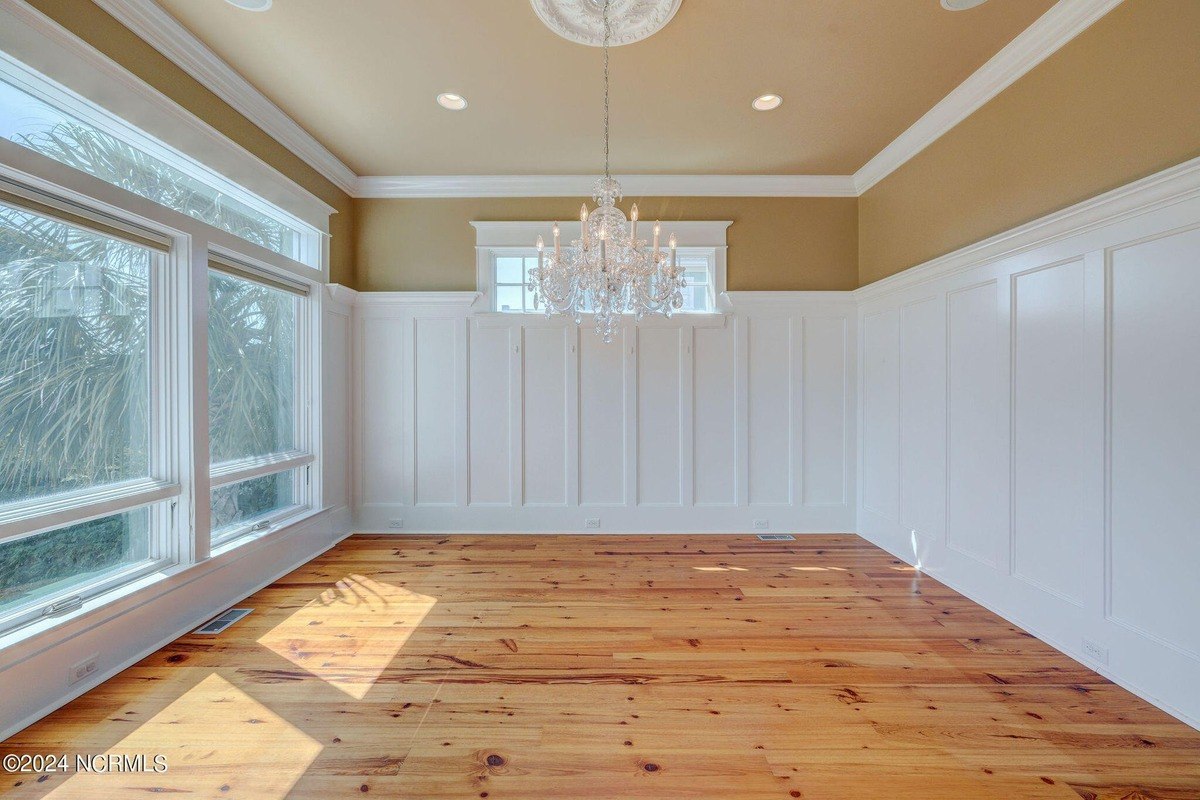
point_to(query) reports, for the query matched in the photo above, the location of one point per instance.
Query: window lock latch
(63, 606)
(261, 526)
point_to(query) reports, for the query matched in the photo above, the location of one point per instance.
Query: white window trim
(499, 238)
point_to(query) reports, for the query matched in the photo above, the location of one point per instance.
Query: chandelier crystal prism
(608, 271)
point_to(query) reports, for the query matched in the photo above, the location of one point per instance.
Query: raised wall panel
(435, 423)
(923, 418)
(336, 381)
(770, 357)
(602, 419)
(977, 451)
(491, 414)
(824, 407)
(659, 396)
(545, 362)
(881, 414)
(382, 410)
(1155, 544)
(1052, 443)
(714, 425)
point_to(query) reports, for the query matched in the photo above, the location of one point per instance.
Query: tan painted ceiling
(361, 76)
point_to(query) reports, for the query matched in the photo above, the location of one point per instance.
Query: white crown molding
(1173, 185)
(1059, 25)
(168, 36)
(426, 186)
(1065, 20)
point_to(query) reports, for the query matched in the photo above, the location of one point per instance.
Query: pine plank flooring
(519, 667)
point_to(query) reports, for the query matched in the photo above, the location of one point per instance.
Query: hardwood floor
(615, 667)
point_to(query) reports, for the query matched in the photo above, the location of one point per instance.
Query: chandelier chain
(607, 34)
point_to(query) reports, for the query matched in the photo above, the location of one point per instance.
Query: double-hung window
(120, 311)
(87, 498)
(258, 433)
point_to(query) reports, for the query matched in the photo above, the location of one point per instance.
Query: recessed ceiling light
(250, 5)
(452, 101)
(767, 102)
(961, 5)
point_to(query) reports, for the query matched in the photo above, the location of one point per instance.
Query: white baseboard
(377, 518)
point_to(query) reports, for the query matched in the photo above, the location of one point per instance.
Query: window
(107, 478)
(512, 273)
(111, 150)
(511, 266)
(256, 438)
(79, 477)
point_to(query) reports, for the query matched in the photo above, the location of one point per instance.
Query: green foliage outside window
(74, 345)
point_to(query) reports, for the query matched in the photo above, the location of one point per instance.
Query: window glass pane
(237, 504)
(509, 298)
(695, 298)
(74, 358)
(34, 123)
(251, 368)
(510, 269)
(36, 568)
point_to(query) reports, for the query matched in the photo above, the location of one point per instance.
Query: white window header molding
(690, 233)
(81, 71)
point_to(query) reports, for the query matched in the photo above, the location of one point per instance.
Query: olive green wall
(788, 243)
(87, 21)
(1119, 102)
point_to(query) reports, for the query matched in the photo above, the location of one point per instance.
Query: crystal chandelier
(608, 270)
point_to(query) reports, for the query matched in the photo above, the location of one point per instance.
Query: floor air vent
(218, 625)
(776, 537)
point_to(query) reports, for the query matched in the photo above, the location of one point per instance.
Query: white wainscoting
(1030, 416)
(476, 421)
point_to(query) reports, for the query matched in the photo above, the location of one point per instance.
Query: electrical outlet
(1095, 651)
(396, 522)
(83, 669)
(592, 522)
(762, 524)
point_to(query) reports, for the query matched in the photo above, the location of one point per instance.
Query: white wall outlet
(396, 522)
(1095, 651)
(592, 522)
(83, 669)
(762, 525)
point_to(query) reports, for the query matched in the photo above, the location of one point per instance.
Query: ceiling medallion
(582, 21)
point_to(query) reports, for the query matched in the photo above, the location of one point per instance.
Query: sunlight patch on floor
(217, 741)
(349, 635)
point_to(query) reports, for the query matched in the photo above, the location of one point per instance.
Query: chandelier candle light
(607, 271)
